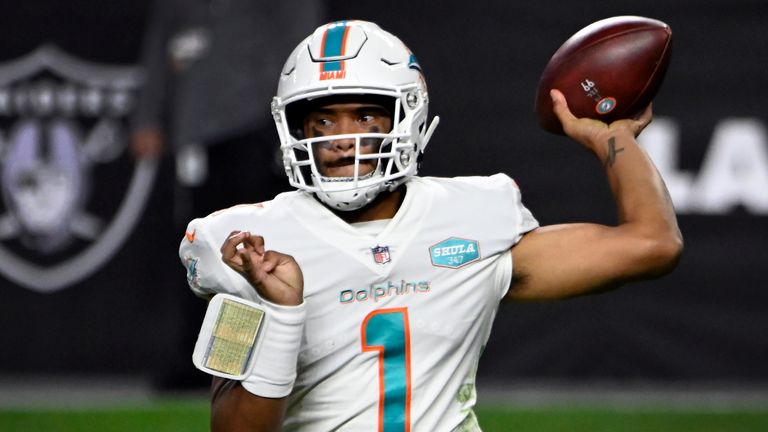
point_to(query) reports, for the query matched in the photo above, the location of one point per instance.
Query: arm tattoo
(612, 152)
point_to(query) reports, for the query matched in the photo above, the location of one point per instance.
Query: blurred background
(122, 120)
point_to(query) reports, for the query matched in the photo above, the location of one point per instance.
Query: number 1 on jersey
(387, 331)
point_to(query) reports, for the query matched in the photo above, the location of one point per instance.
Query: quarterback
(383, 285)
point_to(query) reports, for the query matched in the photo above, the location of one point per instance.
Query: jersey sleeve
(525, 220)
(508, 219)
(519, 221)
(207, 274)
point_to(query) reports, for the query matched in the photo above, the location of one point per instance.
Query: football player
(382, 286)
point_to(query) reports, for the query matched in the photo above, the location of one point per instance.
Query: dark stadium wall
(704, 322)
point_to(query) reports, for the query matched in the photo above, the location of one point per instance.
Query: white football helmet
(353, 58)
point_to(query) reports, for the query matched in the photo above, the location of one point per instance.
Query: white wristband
(255, 343)
(274, 370)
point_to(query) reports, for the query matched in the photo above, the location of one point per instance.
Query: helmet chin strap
(351, 199)
(336, 194)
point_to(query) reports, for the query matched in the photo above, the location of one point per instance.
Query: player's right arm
(234, 409)
(277, 278)
(275, 281)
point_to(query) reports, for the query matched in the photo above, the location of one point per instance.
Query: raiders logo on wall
(71, 194)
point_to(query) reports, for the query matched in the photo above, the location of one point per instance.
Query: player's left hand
(275, 276)
(590, 132)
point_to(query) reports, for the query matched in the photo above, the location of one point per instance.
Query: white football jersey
(395, 322)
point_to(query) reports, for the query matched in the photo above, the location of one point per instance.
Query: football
(609, 70)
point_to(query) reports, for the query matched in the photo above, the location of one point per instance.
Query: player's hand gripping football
(592, 133)
(276, 276)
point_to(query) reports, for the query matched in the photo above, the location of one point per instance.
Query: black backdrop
(704, 322)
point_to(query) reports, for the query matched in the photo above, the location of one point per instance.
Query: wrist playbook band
(256, 343)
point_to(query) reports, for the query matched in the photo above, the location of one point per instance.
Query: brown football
(609, 70)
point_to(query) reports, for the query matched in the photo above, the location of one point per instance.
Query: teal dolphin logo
(605, 105)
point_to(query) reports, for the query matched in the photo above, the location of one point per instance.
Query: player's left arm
(567, 260)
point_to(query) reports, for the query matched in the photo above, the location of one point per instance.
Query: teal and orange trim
(334, 45)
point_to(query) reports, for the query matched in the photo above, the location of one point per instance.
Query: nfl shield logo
(381, 254)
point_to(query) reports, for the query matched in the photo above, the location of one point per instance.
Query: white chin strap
(337, 194)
